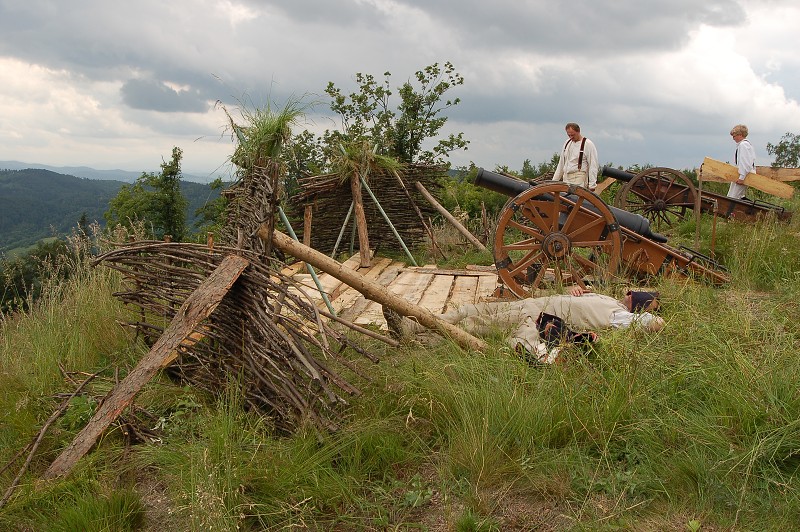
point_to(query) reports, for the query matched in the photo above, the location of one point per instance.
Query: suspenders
(580, 155)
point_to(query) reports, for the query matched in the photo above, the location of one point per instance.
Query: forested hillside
(36, 204)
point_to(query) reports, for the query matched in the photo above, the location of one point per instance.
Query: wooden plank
(197, 307)
(438, 271)
(779, 174)
(486, 287)
(408, 285)
(330, 284)
(604, 184)
(342, 301)
(436, 294)
(354, 302)
(712, 168)
(465, 291)
(482, 268)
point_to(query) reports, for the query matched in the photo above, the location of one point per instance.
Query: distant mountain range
(90, 173)
(37, 203)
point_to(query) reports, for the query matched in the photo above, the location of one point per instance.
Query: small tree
(786, 152)
(367, 115)
(155, 199)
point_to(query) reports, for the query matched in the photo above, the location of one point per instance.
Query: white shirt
(745, 158)
(623, 318)
(568, 161)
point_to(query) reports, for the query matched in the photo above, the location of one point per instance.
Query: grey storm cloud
(628, 70)
(153, 95)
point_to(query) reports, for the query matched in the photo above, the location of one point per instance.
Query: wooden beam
(372, 290)
(779, 174)
(604, 184)
(198, 306)
(361, 220)
(450, 218)
(713, 170)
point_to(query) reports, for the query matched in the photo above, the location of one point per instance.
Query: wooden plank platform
(437, 290)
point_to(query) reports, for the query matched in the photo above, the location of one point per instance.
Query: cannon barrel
(509, 186)
(616, 173)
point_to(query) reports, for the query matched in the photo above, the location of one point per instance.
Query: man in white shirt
(745, 160)
(577, 163)
(580, 310)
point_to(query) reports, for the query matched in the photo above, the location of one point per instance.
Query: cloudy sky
(112, 84)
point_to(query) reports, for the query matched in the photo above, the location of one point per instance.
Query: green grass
(697, 427)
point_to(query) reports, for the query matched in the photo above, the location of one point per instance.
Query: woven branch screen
(330, 198)
(265, 333)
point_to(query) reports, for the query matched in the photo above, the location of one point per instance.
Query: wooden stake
(361, 220)
(449, 217)
(198, 306)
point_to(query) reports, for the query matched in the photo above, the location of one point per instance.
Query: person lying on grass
(540, 326)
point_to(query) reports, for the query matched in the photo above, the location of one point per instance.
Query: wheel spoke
(649, 188)
(572, 214)
(555, 210)
(527, 260)
(534, 217)
(668, 187)
(523, 245)
(676, 210)
(525, 229)
(574, 272)
(591, 225)
(586, 263)
(539, 275)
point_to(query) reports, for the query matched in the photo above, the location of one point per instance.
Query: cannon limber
(665, 197)
(567, 233)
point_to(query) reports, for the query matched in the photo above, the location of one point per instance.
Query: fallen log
(198, 306)
(371, 290)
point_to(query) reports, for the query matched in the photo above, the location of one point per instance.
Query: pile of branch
(265, 333)
(330, 197)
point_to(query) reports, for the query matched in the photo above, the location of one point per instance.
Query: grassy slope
(698, 425)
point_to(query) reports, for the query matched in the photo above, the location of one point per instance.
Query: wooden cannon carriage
(567, 234)
(665, 196)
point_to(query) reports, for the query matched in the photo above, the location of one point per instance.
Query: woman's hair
(739, 129)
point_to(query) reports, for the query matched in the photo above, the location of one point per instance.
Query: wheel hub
(659, 205)
(556, 245)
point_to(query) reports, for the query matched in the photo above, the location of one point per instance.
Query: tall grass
(696, 426)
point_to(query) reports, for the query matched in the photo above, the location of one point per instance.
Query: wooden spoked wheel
(662, 195)
(558, 234)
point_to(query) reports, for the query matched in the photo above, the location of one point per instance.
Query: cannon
(553, 230)
(665, 196)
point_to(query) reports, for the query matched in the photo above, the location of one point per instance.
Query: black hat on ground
(641, 300)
